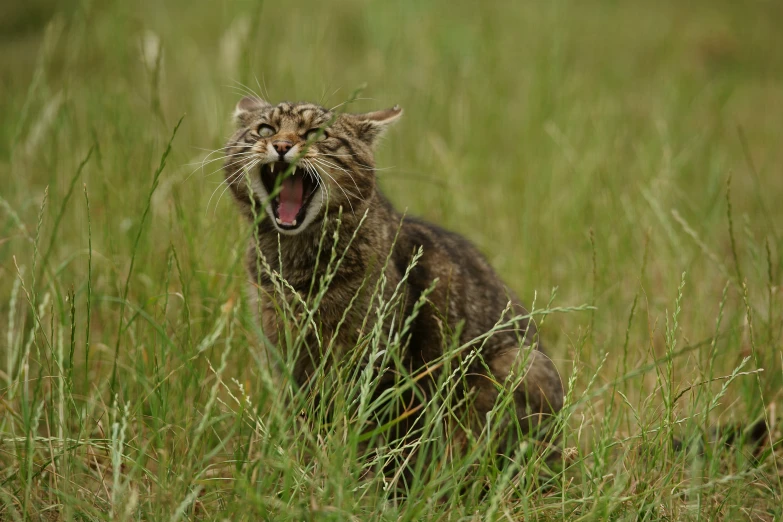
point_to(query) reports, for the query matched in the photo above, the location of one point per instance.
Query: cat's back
(468, 288)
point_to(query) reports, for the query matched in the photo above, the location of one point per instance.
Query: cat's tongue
(291, 192)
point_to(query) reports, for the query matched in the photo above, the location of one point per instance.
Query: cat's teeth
(279, 221)
(293, 223)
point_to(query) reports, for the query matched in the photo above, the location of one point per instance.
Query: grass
(617, 155)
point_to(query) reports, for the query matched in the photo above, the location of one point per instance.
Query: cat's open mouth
(296, 191)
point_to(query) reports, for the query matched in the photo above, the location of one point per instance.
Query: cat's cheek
(315, 211)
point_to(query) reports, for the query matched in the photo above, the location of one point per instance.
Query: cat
(329, 161)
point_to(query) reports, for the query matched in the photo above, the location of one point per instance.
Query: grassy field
(625, 156)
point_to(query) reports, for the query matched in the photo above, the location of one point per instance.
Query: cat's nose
(282, 146)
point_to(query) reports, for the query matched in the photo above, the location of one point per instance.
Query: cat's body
(468, 296)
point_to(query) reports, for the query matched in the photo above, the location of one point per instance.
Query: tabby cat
(318, 165)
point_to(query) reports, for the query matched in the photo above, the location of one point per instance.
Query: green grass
(626, 154)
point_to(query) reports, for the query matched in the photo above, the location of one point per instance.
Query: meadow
(619, 164)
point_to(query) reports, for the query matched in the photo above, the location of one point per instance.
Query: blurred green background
(566, 139)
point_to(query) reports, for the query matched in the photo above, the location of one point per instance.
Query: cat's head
(300, 161)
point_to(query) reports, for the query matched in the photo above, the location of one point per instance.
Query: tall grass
(586, 148)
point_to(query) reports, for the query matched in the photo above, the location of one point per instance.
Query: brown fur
(468, 294)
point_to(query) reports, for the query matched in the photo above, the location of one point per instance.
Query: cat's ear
(245, 109)
(370, 126)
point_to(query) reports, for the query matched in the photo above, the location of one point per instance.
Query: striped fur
(468, 297)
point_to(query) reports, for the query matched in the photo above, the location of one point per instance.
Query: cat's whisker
(241, 92)
(239, 174)
(204, 162)
(231, 179)
(319, 183)
(332, 165)
(241, 160)
(237, 85)
(338, 186)
(359, 196)
(242, 157)
(248, 89)
(212, 150)
(319, 179)
(265, 91)
(308, 168)
(312, 173)
(348, 194)
(362, 166)
(226, 149)
(209, 201)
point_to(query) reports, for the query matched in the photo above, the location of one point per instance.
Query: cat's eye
(265, 131)
(315, 134)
